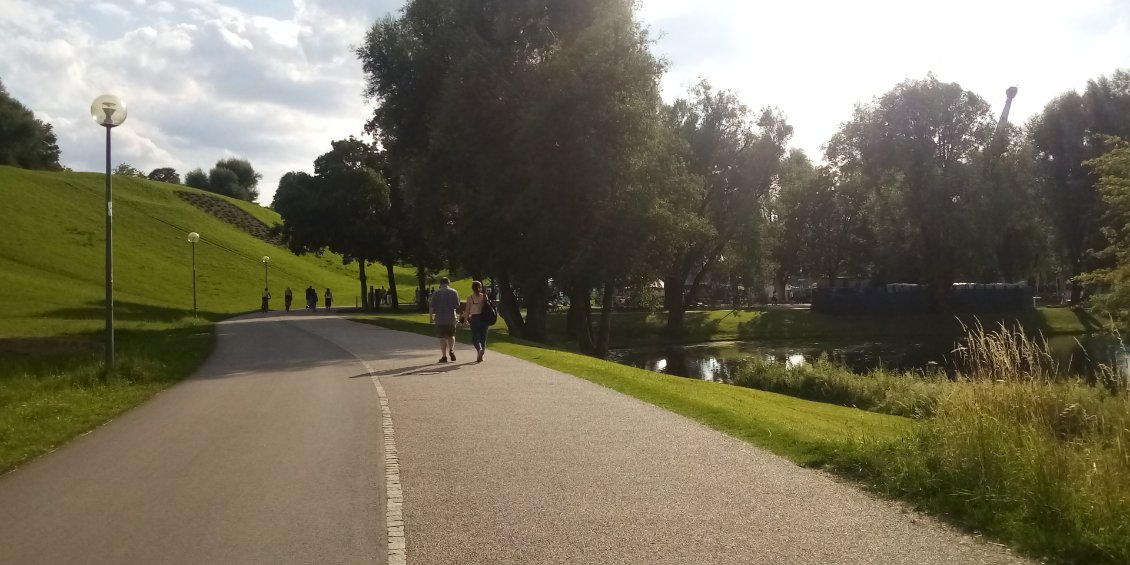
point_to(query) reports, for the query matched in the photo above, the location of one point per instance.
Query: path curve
(274, 453)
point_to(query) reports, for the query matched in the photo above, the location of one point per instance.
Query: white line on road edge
(394, 514)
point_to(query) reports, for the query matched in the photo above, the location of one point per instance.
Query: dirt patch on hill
(233, 215)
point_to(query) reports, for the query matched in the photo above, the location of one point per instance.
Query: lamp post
(109, 111)
(193, 237)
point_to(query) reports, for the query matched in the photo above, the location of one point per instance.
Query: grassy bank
(52, 259)
(809, 433)
(52, 389)
(630, 329)
(1040, 464)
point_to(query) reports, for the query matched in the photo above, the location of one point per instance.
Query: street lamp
(193, 237)
(109, 111)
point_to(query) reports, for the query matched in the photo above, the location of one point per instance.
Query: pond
(716, 361)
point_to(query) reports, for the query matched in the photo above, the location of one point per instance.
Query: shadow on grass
(132, 312)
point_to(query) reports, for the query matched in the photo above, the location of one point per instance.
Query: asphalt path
(274, 452)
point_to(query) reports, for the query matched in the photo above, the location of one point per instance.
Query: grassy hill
(52, 257)
(53, 385)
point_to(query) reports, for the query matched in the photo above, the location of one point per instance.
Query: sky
(274, 82)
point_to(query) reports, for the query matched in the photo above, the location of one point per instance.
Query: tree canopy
(25, 141)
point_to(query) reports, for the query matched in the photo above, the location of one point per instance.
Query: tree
(24, 140)
(1113, 283)
(1067, 133)
(128, 170)
(479, 138)
(224, 181)
(165, 174)
(736, 159)
(340, 208)
(247, 178)
(918, 148)
(788, 215)
(196, 178)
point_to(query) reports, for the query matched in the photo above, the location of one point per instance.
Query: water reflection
(1076, 355)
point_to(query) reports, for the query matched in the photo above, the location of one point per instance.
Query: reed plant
(1019, 452)
(897, 393)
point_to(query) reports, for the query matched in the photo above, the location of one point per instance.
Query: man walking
(442, 306)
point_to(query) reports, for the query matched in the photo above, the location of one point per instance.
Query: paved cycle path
(273, 454)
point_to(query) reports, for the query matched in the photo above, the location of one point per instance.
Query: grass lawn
(52, 259)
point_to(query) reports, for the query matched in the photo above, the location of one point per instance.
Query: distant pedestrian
(329, 299)
(288, 296)
(442, 305)
(266, 298)
(311, 297)
(473, 312)
(382, 296)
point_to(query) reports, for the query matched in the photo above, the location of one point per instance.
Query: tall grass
(1009, 446)
(900, 394)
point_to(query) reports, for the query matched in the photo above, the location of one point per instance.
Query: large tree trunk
(364, 285)
(509, 308)
(394, 302)
(604, 334)
(580, 318)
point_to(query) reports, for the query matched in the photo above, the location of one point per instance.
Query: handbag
(490, 313)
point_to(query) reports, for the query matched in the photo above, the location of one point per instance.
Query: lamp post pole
(193, 237)
(109, 112)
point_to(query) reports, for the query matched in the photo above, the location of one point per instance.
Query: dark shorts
(445, 330)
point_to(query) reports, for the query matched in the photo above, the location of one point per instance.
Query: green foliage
(196, 178)
(1113, 283)
(24, 140)
(165, 174)
(735, 159)
(230, 177)
(128, 170)
(492, 114)
(1067, 133)
(247, 179)
(224, 181)
(916, 148)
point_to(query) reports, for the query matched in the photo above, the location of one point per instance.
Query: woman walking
(473, 312)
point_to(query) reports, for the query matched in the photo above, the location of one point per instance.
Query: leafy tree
(224, 181)
(788, 218)
(165, 174)
(1113, 171)
(197, 178)
(737, 159)
(478, 138)
(247, 178)
(1066, 134)
(128, 170)
(918, 148)
(24, 140)
(340, 208)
